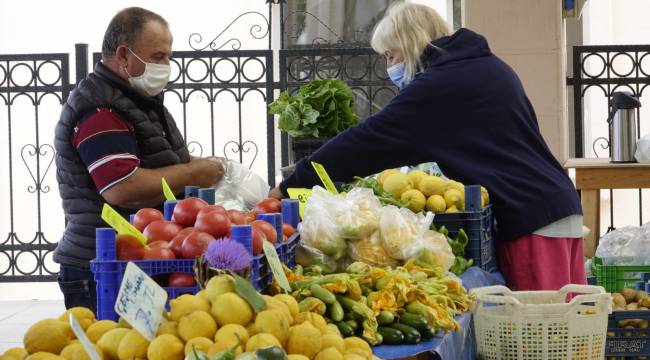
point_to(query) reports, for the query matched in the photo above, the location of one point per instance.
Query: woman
(463, 107)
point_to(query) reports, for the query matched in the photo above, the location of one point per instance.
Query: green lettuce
(320, 109)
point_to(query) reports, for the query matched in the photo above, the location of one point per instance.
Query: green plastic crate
(616, 277)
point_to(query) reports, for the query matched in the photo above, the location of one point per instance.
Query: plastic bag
(401, 231)
(441, 252)
(309, 256)
(370, 250)
(629, 245)
(358, 214)
(642, 153)
(319, 228)
(240, 188)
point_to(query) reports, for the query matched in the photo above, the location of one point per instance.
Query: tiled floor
(17, 316)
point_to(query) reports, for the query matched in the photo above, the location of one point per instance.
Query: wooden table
(592, 175)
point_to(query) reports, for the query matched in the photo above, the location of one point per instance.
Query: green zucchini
(323, 294)
(391, 336)
(385, 317)
(345, 329)
(411, 335)
(353, 324)
(335, 311)
(418, 323)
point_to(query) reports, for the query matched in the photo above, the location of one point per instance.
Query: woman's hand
(276, 193)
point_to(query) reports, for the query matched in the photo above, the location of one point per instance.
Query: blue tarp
(453, 345)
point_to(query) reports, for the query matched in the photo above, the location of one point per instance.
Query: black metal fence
(205, 83)
(598, 72)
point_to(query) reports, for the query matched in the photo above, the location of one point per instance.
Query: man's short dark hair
(125, 28)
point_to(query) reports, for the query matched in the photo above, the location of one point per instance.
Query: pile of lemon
(215, 320)
(423, 191)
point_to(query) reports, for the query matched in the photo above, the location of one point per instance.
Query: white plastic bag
(358, 214)
(320, 228)
(642, 153)
(629, 245)
(240, 188)
(402, 230)
(440, 249)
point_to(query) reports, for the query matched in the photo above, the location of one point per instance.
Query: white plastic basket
(527, 325)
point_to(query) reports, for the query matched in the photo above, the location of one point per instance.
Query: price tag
(141, 301)
(276, 266)
(167, 191)
(322, 174)
(83, 339)
(301, 195)
(117, 222)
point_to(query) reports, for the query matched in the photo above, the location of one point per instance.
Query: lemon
(384, 174)
(110, 342)
(453, 184)
(203, 295)
(219, 285)
(96, 330)
(485, 197)
(260, 341)
(197, 324)
(396, 184)
(232, 331)
(199, 344)
(185, 304)
(452, 209)
(273, 303)
(225, 345)
(304, 339)
(453, 197)
(354, 356)
(313, 318)
(42, 355)
(416, 176)
(431, 185)
(331, 339)
(133, 345)
(15, 353)
(168, 327)
(84, 316)
(77, 352)
(357, 343)
(122, 323)
(166, 347)
(291, 303)
(436, 204)
(48, 335)
(230, 308)
(415, 199)
(330, 353)
(297, 357)
(273, 322)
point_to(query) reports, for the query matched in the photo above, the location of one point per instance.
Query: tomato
(186, 210)
(268, 205)
(181, 280)
(195, 244)
(159, 253)
(214, 223)
(161, 230)
(267, 229)
(176, 244)
(258, 238)
(128, 247)
(250, 216)
(236, 217)
(159, 244)
(146, 216)
(210, 208)
(288, 230)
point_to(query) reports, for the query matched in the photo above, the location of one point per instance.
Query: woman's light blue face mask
(397, 73)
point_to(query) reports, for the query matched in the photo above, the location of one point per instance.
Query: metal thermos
(622, 127)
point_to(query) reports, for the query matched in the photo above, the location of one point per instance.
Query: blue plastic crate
(479, 227)
(628, 343)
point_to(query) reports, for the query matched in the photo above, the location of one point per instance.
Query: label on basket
(83, 339)
(167, 191)
(276, 266)
(322, 174)
(301, 195)
(117, 222)
(141, 301)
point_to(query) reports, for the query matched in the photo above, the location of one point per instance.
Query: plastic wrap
(320, 228)
(371, 251)
(629, 245)
(358, 214)
(240, 188)
(402, 231)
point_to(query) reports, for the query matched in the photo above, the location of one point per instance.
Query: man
(115, 140)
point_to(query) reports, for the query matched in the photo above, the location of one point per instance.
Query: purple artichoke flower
(228, 255)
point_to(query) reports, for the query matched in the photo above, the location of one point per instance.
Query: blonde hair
(409, 28)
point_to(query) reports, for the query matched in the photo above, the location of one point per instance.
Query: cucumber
(323, 294)
(391, 336)
(345, 329)
(411, 336)
(385, 317)
(379, 337)
(335, 311)
(353, 324)
(418, 323)
(352, 316)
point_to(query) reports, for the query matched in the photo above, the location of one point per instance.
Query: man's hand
(207, 171)
(276, 193)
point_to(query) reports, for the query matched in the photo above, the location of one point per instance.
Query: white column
(529, 35)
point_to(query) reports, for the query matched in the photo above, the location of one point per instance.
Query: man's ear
(120, 55)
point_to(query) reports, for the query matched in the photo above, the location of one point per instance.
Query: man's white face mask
(153, 80)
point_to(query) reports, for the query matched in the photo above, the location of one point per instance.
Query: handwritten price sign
(141, 301)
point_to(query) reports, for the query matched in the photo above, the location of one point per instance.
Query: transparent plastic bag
(308, 256)
(370, 250)
(358, 214)
(401, 231)
(642, 153)
(240, 188)
(441, 252)
(319, 228)
(629, 245)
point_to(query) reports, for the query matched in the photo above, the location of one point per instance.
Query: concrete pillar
(529, 35)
